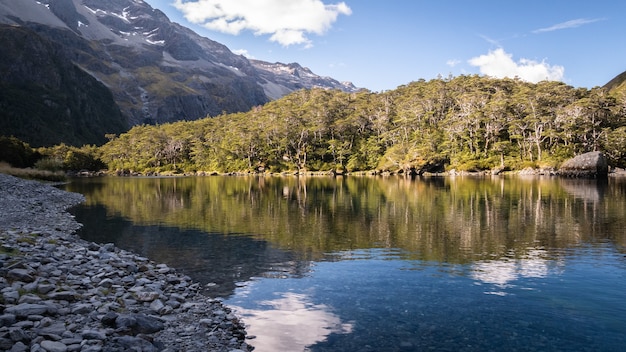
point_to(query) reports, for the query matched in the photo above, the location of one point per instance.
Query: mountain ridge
(617, 84)
(158, 71)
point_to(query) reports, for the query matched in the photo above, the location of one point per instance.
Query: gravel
(61, 293)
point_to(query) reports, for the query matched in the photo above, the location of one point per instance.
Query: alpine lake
(364, 263)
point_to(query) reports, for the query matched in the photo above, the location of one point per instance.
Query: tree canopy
(466, 123)
(469, 123)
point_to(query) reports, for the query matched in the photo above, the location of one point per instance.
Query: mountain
(282, 79)
(617, 84)
(156, 70)
(45, 99)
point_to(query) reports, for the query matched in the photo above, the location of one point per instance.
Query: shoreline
(59, 292)
(549, 172)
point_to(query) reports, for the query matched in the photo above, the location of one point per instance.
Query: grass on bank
(32, 174)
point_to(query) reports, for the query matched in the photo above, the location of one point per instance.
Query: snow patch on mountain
(135, 50)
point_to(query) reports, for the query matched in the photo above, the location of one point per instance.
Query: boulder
(588, 165)
(138, 324)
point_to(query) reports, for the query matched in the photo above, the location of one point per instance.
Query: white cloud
(453, 62)
(287, 22)
(499, 64)
(568, 24)
(489, 40)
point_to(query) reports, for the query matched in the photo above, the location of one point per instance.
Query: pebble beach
(60, 293)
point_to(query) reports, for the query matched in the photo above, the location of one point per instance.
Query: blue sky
(380, 45)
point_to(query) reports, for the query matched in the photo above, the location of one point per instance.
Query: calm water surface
(387, 264)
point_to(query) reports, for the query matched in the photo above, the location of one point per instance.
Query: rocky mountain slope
(45, 99)
(618, 84)
(282, 79)
(157, 70)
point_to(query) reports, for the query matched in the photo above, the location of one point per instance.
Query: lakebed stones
(60, 293)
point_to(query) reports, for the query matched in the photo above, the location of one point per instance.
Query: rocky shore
(61, 293)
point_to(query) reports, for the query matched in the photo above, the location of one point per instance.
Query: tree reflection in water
(460, 263)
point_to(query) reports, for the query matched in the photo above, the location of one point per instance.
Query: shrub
(49, 164)
(16, 152)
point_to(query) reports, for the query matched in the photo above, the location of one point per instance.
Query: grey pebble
(61, 293)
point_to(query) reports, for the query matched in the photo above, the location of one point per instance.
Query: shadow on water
(217, 261)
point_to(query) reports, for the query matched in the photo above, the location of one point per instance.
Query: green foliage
(469, 123)
(49, 164)
(70, 158)
(16, 153)
(614, 146)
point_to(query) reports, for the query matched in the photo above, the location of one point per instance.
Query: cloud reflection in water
(506, 270)
(290, 322)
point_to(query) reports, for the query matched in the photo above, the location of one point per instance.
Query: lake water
(386, 263)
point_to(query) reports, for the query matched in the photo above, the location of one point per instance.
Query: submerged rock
(588, 165)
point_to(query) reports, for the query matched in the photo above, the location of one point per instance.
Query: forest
(465, 123)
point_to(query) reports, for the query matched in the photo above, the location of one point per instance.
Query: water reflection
(217, 261)
(505, 272)
(450, 220)
(387, 264)
(290, 322)
(588, 190)
(446, 220)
